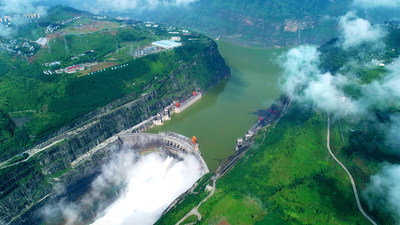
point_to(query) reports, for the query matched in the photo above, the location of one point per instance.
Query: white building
(167, 44)
(175, 38)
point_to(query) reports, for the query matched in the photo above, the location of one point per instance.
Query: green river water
(228, 110)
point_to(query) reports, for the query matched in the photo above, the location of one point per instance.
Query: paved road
(353, 184)
(195, 210)
(30, 152)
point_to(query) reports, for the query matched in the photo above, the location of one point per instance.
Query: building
(74, 68)
(166, 44)
(42, 41)
(175, 38)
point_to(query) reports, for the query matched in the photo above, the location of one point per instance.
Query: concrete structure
(185, 104)
(166, 44)
(75, 68)
(175, 107)
(175, 38)
(169, 143)
(41, 41)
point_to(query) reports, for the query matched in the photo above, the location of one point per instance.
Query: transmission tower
(66, 46)
(299, 34)
(48, 46)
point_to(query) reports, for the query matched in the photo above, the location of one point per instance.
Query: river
(229, 109)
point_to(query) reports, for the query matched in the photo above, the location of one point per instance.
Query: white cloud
(393, 134)
(17, 8)
(356, 31)
(5, 31)
(124, 5)
(385, 92)
(368, 4)
(20, 7)
(326, 94)
(300, 66)
(153, 183)
(150, 183)
(383, 191)
(303, 81)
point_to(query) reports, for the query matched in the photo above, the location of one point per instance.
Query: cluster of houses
(50, 64)
(69, 70)
(18, 47)
(6, 20)
(55, 26)
(378, 62)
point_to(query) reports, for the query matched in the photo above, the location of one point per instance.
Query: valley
(200, 112)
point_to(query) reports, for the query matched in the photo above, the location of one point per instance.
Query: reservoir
(229, 109)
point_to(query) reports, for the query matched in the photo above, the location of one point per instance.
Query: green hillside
(41, 102)
(272, 184)
(263, 23)
(290, 178)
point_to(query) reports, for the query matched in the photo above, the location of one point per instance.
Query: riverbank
(226, 111)
(268, 118)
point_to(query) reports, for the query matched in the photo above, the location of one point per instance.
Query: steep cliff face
(27, 185)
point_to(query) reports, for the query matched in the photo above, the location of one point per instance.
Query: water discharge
(229, 109)
(222, 115)
(153, 183)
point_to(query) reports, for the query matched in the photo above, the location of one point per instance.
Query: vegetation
(190, 219)
(291, 178)
(259, 22)
(272, 184)
(361, 145)
(334, 58)
(49, 102)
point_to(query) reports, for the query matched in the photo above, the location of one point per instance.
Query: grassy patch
(290, 178)
(190, 219)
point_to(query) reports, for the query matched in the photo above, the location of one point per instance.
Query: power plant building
(167, 44)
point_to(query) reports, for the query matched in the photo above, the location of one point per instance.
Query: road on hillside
(353, 183)
(195, 210)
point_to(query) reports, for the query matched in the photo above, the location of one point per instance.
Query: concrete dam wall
(169, 143)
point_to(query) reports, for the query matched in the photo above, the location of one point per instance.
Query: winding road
(195, 210)
(353, 184)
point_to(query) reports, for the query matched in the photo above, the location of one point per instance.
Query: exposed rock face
(28, 185)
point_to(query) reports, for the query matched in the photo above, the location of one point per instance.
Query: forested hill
(84, 62)
(259, 22)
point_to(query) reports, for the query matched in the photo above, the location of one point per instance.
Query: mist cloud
(369, 4)
(393, 134)
(150, 183)
(385, 93)
(17, 9)
(5, 31)
(304, 82)
(356, 31)
(124, 5)
(383, 191)
(20, 7)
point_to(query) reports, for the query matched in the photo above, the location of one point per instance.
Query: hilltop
(262, 23)
(288, 176)
(73, 80)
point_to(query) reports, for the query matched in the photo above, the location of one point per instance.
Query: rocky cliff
(25, 187)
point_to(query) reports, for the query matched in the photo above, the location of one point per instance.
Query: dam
(169, 143)
(123, 169)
